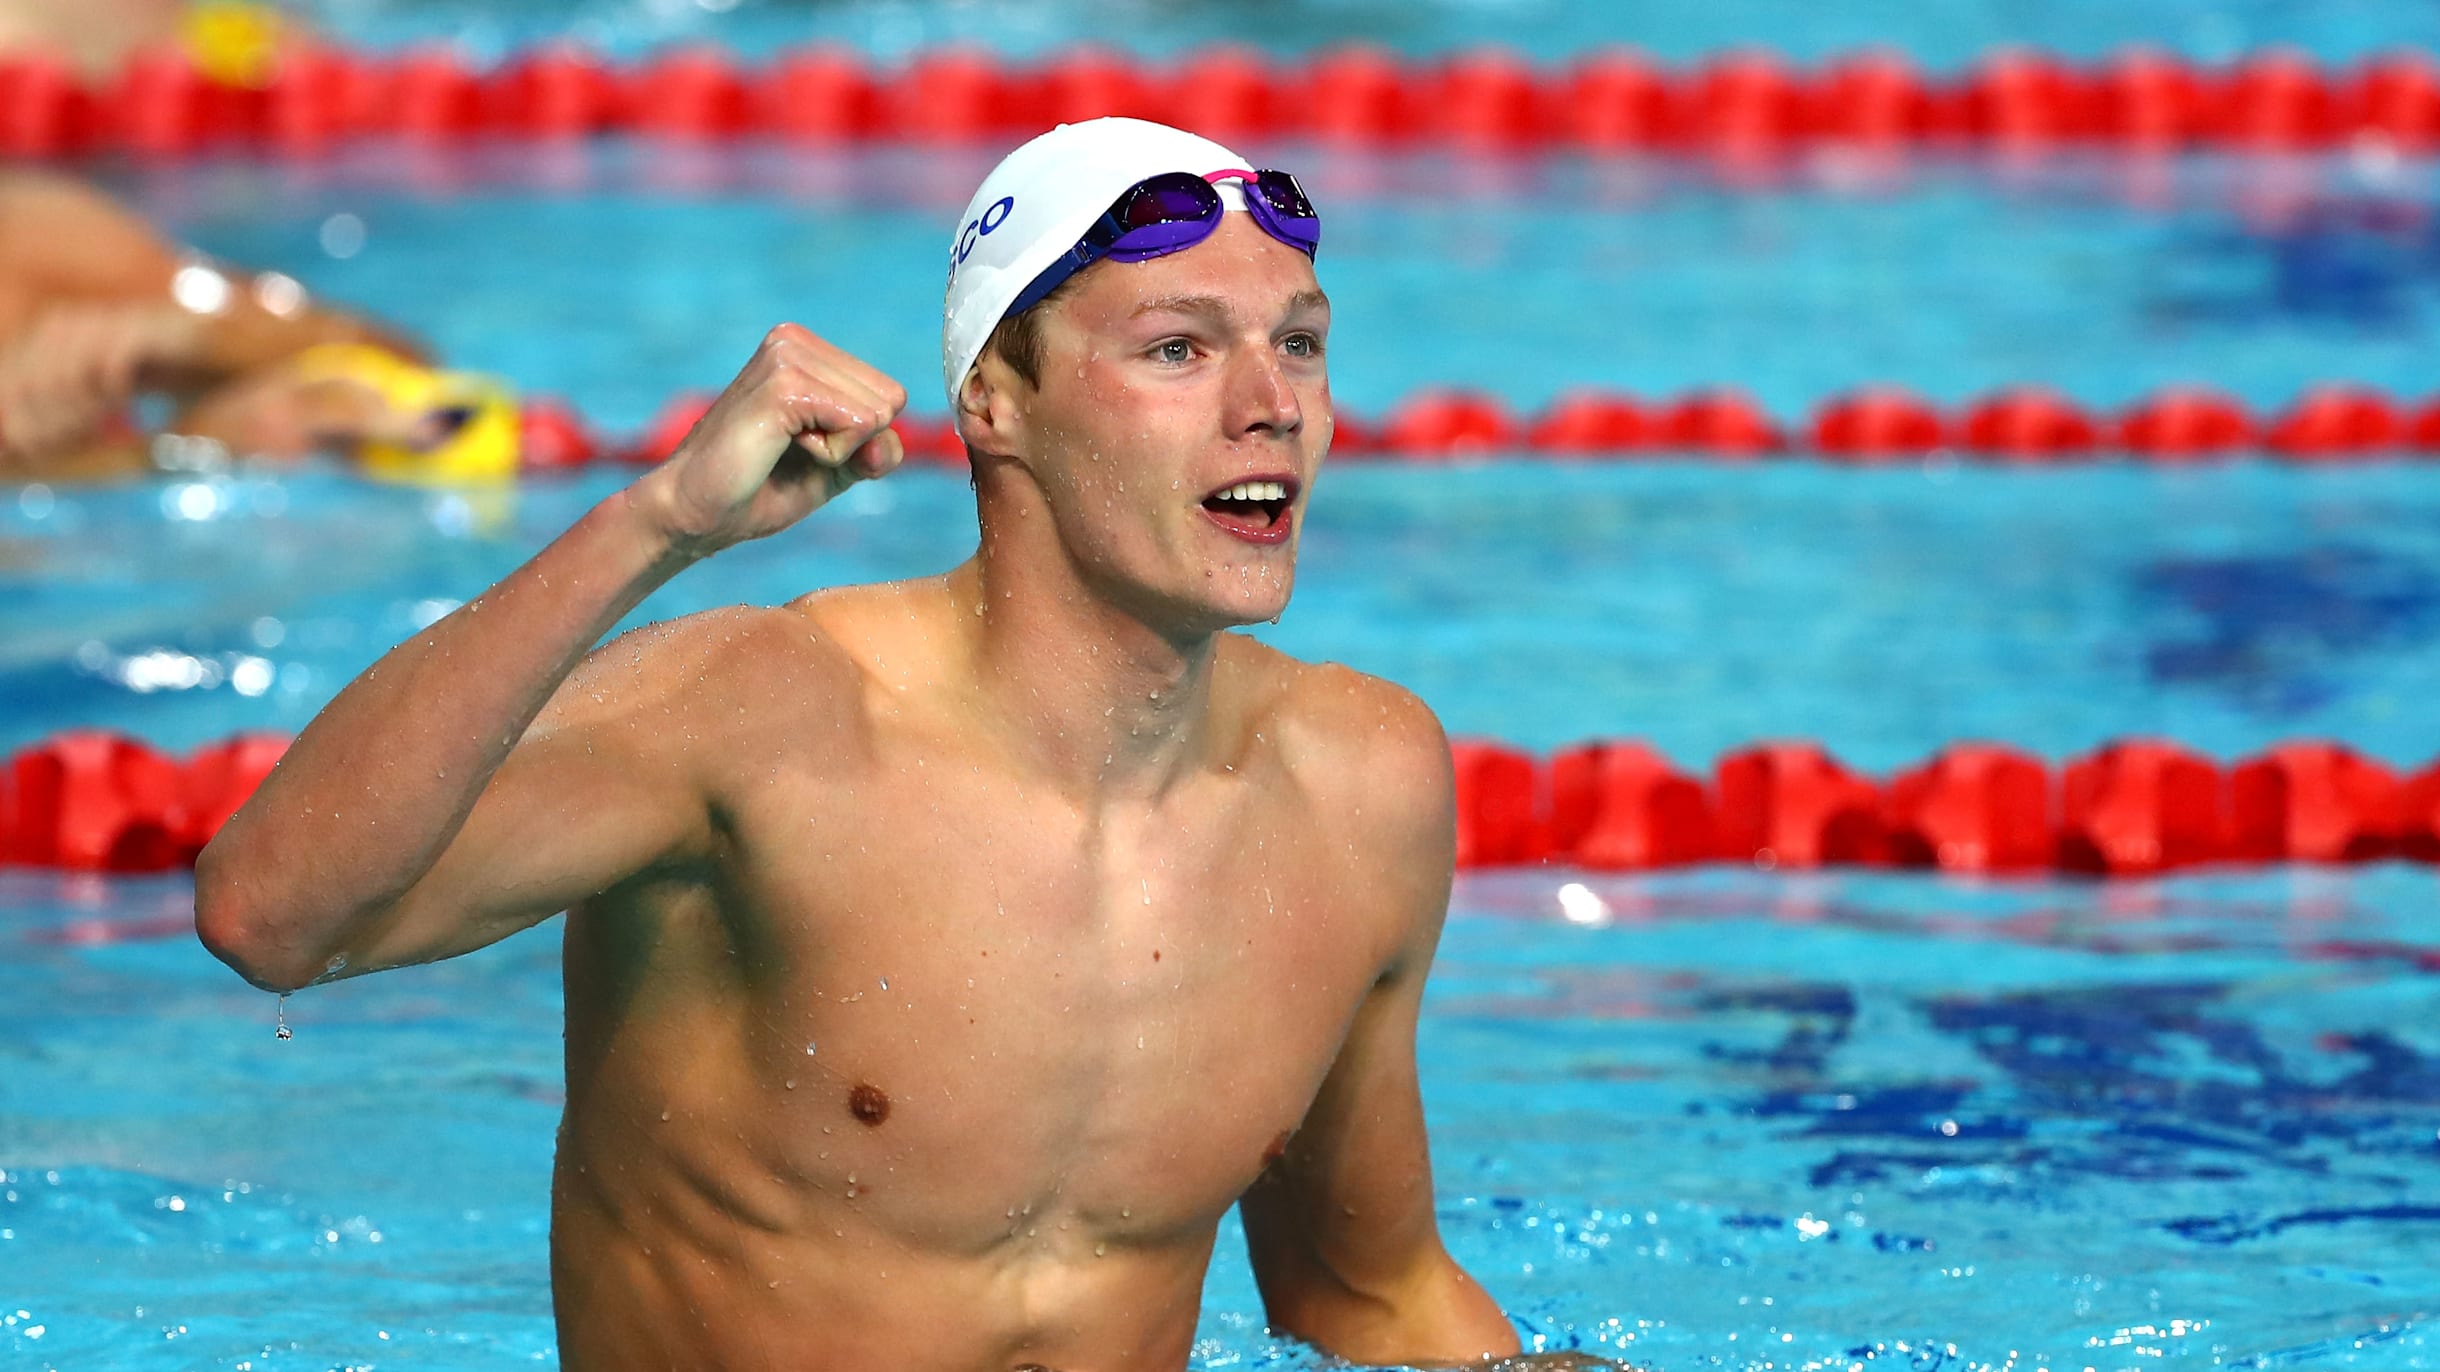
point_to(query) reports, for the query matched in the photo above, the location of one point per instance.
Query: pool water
(1707, 1119)
(618, 275)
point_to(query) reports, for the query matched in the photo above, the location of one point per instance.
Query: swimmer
(236, 42)
(943, 958)
(97, 309)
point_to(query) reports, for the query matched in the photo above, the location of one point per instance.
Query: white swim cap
(1037, 203)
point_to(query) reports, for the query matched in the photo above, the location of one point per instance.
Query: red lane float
(1793, 805)
(429, 95)
(2150, 101)
(551, 437)
(2184, 424)
(2019, 99)
(1975, 807)
(1743, 103)
(1591, 422)
(45, 111)
(1615, 102)
(320, 99)
(1877, 99)
(2337, 422)
(2139, 807)
(94, 801)
(2314, 802)
(819, 95)
(953, 95)
(1623, 807)
(90, 801)
(1498, 812)
(1720, 423)
(1877, 423)
(691, 95)
(216, 782)
(2396, 99)
(2276, 101)
(1437, 423)
(554, 93)
(2029, 424)
(1228, 93)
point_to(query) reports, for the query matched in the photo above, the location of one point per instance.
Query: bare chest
(974, 1010)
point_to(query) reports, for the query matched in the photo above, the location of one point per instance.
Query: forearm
(1433, 1316)
(248, 337)
(376, 787)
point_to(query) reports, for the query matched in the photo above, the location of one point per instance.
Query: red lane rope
(2023, 424)
(1610, 101)
(100, 802)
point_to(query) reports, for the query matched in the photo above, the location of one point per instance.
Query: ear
(989, 418)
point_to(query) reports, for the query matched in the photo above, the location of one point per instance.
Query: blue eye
(1173, 350)
(1302, 345)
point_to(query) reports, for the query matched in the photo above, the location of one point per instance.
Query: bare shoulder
(702, 675)
(1365, 750)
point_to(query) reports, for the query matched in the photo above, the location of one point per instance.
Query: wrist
(641, 513)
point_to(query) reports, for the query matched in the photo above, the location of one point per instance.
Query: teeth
(1254, 490)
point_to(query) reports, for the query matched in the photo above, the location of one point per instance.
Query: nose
(1261, 402)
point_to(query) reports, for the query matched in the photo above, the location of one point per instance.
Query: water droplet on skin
(790, 1083)
(665, 1117)
(808, 1050)
(279, 1026)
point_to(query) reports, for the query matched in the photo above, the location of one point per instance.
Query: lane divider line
(1607, 101)
(94, 801)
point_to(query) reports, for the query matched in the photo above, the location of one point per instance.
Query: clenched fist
(802, 422)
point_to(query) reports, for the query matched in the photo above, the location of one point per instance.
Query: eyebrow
(1213, 307)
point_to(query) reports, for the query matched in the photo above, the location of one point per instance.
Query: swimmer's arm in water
(426, 811)
(1341, 1230)
(89, 316)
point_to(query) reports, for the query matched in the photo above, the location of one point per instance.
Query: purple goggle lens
(1174, 211)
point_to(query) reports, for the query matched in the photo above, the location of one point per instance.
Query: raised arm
(1345, 1245)
(426, 812)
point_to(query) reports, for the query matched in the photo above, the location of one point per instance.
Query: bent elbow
(230, 931)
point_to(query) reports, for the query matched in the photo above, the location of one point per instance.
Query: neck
(1092, 695)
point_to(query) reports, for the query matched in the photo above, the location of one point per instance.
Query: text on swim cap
(994, 215)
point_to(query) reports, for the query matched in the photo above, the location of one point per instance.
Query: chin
(1192, 615)
(1237, 612)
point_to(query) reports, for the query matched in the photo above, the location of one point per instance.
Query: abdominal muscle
(855, 1297)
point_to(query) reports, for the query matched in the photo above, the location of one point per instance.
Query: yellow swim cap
(233, 42)
(477, 415)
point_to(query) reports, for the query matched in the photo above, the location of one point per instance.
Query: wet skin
(1052, 1043)
(944, 958)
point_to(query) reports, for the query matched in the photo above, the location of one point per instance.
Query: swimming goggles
(1174, 211)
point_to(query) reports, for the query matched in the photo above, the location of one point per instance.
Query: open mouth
(1255, 510)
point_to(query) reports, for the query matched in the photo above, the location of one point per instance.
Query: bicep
(581, 805)
(1350, 1203)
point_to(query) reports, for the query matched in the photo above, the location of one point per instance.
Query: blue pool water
(1712, 1119)
(619, 275)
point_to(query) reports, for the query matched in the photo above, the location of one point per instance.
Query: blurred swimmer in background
(97, 310)
(236, 42)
